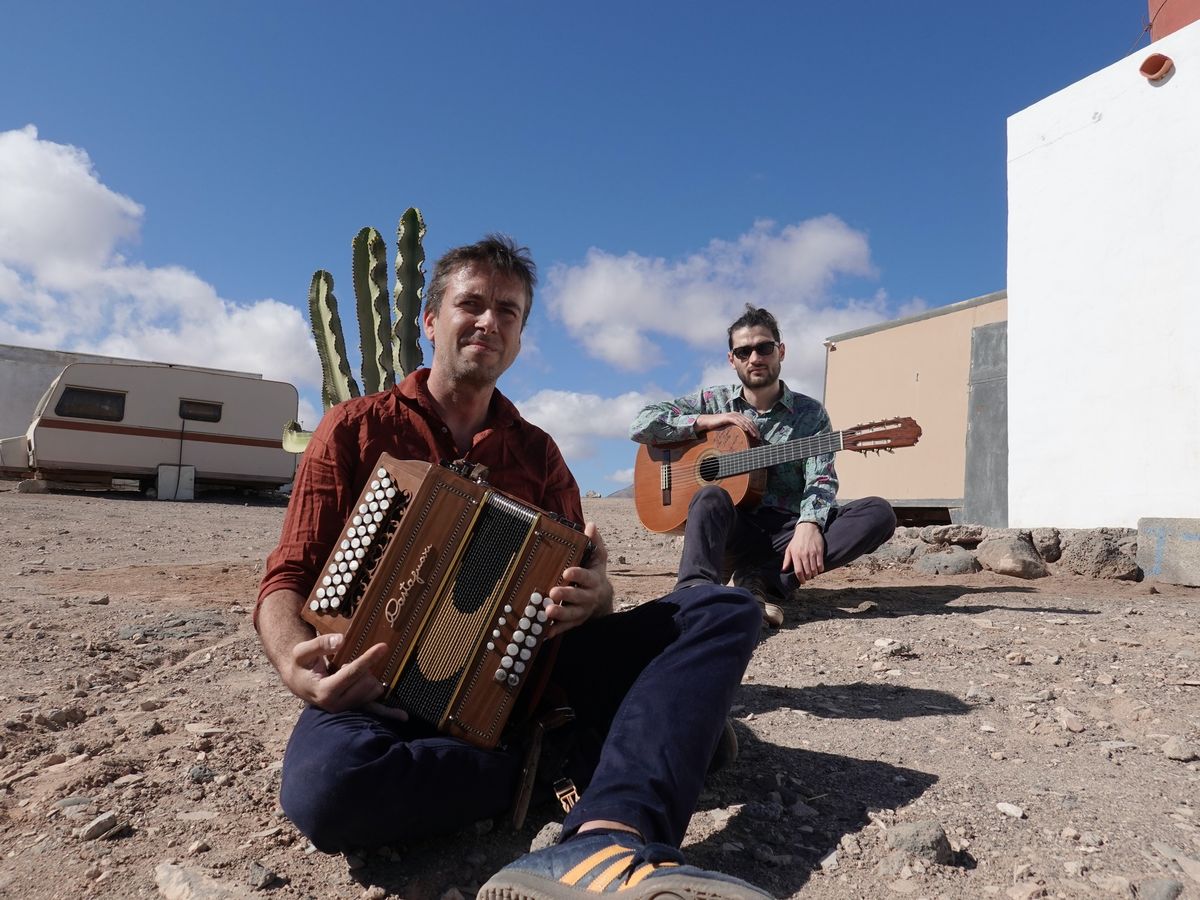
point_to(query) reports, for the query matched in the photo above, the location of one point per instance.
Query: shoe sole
(525, 886)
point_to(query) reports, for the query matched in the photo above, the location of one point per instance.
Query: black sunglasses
(764, 348)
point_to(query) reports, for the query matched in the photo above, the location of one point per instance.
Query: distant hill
(623, 492)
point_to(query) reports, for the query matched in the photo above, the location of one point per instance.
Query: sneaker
(609, 863)
(772, 612)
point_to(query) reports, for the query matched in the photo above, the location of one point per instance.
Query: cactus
(385, 350)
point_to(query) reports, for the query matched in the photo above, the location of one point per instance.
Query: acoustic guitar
(666, 477)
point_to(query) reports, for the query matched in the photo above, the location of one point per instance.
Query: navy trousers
(656, 681)
(720, 539)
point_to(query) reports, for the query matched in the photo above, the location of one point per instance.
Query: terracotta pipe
(1156, 67)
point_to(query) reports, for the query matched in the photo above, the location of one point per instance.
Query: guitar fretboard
(743, 461)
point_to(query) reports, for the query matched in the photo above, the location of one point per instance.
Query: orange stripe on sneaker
(642, 871)
(605, 878)
(576, 872)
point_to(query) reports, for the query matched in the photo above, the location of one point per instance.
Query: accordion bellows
(452, 575)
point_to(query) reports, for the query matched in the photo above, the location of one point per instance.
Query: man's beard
(763, 379)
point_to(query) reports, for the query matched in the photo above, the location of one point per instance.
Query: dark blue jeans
(720, 539)
(657, 681)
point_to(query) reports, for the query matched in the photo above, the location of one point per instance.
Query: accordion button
(496, 633)
(524, 623)
(508, 607)
(340, 555)
(385, 482)
(320, 592)
(372, 528)
(506, 662)
(500, 676)
(382, 472)
(357, 520)
(535, 598)
(335, 603)
(315, 605)
(501, 621)
(378, 517)
(343, 566)
(353, 565)
(526, 654)
(341, 590)
(333, 567)
(511, 649)
(519, 668)
(360, 553)
(373, 506)
(530, 611)
(491, 645)
(384, 503)
(531, 641)
(365, 540)
(375, 485)
(518, 636)
(535, 628)
(513, 680)
(390, 493)
(368, 497)
(363, 508)
(541, 616)
(326, 581)
(345, 545)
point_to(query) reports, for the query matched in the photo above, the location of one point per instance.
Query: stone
(1176, 748)
(101, 826)
(1012, 555)
(1102, 553)
(1159, 889)
(962, 535)
(1047, 542)
(1069, 720)
(547, 837)
(177, 882)
(925, 840)
(260, 877)
(1011, 809)
(951, 561)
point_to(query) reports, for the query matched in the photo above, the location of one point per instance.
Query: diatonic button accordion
(452, 574)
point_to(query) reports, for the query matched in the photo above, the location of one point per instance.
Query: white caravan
(99, 421)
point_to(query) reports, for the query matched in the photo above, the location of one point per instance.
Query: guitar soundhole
(710, 469)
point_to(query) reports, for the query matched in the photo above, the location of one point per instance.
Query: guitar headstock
(887, 434)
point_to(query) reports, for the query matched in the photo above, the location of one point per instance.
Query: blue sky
(171, 174)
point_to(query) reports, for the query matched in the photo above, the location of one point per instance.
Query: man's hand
(302, 660)
(709, 421)
(587, 591)
(805, 553)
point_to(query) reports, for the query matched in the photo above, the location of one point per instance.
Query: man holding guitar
(788, 527)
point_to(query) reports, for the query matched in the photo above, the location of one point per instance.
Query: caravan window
(89, 403)
(200, 410)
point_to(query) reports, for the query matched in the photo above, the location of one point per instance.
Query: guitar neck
(766, 455)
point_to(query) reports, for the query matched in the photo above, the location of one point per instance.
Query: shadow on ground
(807, 604)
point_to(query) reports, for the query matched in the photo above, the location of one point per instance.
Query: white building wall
(1104, 297)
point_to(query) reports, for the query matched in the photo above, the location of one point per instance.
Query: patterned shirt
(808, 489)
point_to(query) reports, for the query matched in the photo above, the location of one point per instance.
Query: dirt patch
(142, 727)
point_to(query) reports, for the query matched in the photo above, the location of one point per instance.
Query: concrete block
(1169, 550)
(176, 482)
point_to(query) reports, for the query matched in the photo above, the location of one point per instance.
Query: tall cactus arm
(410, 291)
(337, 384)
(374, 318)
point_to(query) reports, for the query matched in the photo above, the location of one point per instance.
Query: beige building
(921, 367)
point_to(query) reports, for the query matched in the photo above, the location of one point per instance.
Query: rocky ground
(907, 732)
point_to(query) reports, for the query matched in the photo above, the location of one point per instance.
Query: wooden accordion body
(452, 575)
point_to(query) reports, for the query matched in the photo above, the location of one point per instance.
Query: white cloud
(622, 476)
(65, 286)
(618, 306)
(578, 421)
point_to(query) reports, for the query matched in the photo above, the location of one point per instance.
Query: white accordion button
(384, 503)
(535, 628)
(378, 517)
(508, 607)
(368, 496)
(363, 508)
(524, 624)
(519, 667)
(511, 649)
(530, 612)
(374, 485)
(365, 540)
(324, 604)
(518, 636)
(506, 661)
(315, 605)
(384, 481)
(500, 676)
(501, 621)
(390, 493)
(382, 473)
(353, 565)
(541, 616)
(357, 520)
(360, 553)
(531, 641)
(327, 581)
(491, 645)
(341, 590)
(535, 598)
(320, 592)
(525, 654)
(496, 633)
(372, 528)
(340, 555)
(513, 680)
(335, 603)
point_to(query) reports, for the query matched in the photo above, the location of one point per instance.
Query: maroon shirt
(521, 458)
